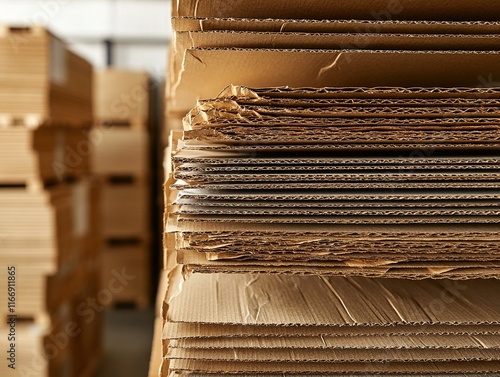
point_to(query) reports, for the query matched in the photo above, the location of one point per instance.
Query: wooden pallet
(42, 80)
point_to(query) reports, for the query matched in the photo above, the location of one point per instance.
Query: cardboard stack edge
(49, 221)
(332, 211)
(121, 159)
(332, 192)
(254, 233)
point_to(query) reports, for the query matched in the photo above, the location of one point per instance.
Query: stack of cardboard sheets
(339, 181)
(255, 190)
(122, 101)
(244, 323)
(335, 210)
(324, 43)
(49, 227)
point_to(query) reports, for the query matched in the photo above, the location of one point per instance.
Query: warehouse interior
(249, 187)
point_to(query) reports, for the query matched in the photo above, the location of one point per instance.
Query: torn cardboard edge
(321, 68)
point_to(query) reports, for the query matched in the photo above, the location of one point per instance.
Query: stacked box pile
(333, 193)
(121, 158)
(49, 228)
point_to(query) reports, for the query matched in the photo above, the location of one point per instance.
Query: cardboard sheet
(315, 300)
(309, 9)
(334, 26)
(191, 331)
(298, 68)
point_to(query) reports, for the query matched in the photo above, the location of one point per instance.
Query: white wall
(140, 29)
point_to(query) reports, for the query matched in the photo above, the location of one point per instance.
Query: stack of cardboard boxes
(121, 158)
(49, 229)
(337, 212)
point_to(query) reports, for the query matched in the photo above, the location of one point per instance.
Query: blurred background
(117, 183)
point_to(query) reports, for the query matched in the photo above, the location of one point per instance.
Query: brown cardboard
(134, 258)
(293, 300)
(423, 231)
(395, 368)
(334, 355)
(156, 350)
(120, 152)
(435, 342)
(367, 41)
(45, 154)
(340, 374)
(309, 238)
(221, 67)
(252, 211)
(406, 148)
(124, 209)
(42, 82)
(403, 10)
(333, 26)
(341, 111)
(341, 220)
(198, 331)
(360, 92)
(122, 96)
(395, 185)
(345, 138)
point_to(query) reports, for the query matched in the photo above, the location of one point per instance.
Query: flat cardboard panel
(299, 68)
(198, 331)
(334, 355)
(310, 9)
(293, 300)
(363, 147)
(283, 39)
(333, 26)
(336, 342)
(396, 368)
